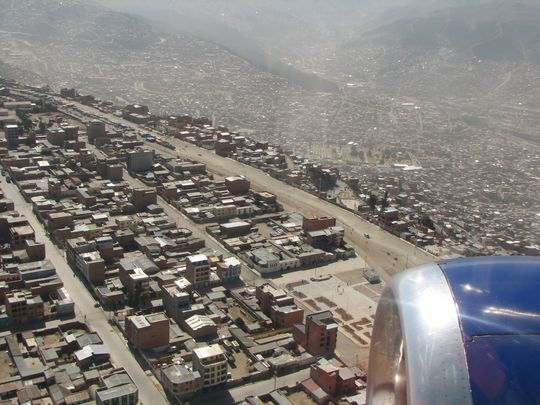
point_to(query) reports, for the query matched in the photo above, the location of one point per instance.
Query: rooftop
(208, 351)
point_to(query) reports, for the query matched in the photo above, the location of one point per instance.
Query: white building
(211, 363)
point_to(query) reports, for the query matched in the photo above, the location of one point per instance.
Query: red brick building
(237, 185)
(280, 306)
(318, 335)
(335, 381)
(148, 331)
(143, 197)
(198, 270)
(313, 223)
(24, 308)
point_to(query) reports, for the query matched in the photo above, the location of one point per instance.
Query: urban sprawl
(150, 259)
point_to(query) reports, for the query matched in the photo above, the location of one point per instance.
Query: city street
(385, 253)
(96, 318)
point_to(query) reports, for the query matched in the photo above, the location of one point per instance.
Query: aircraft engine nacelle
(464, 331)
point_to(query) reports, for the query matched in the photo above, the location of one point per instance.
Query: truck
(169, 145)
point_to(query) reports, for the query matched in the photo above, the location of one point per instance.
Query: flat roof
(208, 351)
(115, 392)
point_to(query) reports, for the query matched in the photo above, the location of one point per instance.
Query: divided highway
(384, 252)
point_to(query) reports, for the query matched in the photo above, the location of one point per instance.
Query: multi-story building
(314, 223)
(211, 363)
(327, 238)
(286, 316)
(180, 382)
(94, 130)
(140, 160)
(280, 306)
(198, 270)
(224, 211)
(235, 229)
(20, 234)
(335, 380)
(143, 197)
(176, 298)
(237, 184)
(269, 296)
(24, 308)
(82, 256)
(148, 331)
(229, 269)
(318, 335)
(12, 133)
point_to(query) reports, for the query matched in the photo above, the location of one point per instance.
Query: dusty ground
(300, 398)
(5, 368)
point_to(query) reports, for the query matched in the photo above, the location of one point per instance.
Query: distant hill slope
(504, 31)
(80, 23)
(76, 22)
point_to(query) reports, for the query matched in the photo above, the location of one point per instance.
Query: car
(97, 305)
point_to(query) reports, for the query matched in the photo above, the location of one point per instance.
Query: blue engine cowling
(464, 331)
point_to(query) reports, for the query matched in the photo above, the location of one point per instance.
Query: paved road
(384, 252)
(349, 351)
(94, 317)
(380, 250)
(248, 275)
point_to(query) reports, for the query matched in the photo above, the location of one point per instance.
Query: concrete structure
(12, 133)
(82, 256)
(94, 130)
(148, 331)
(63, 302)
(180, 382)
(211, 363)
(56, 136)
(277, 304)
(23, 307)
(286, 316)
(267, 260)
(143, 197)
(224, 211)
(237, 185)
(198, 270)
(175, 299)
(229, 269)
(326, 238)
(269, 296)
(19, 234)
(140, 160)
